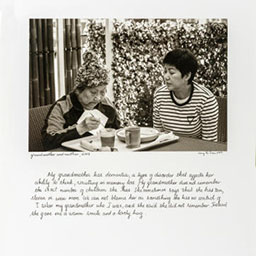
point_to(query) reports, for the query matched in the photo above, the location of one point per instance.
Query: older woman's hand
(89, 124)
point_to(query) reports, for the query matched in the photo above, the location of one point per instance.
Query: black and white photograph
(127, 128)
(128, 84)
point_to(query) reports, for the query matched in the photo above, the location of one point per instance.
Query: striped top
(197, 117)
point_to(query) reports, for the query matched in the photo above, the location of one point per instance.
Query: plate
(147, 134)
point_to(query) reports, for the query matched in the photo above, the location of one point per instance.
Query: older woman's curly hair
(92, 73)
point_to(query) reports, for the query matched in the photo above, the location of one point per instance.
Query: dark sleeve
(54, 133)
(109, 110)
(116, 121)
(113, 118)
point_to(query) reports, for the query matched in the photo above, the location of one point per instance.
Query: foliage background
(139, 45)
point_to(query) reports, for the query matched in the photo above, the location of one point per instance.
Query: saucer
(147, 134)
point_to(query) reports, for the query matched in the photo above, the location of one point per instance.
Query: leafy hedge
(138, 49)
(93, 36)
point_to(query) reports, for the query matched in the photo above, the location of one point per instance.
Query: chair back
(37, 118)
(222, 122)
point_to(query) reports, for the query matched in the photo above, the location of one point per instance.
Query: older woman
(89, 93)
(181, 105)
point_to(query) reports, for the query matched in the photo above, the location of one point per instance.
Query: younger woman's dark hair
(183, 60)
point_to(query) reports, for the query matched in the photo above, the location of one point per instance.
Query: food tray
(120, 145)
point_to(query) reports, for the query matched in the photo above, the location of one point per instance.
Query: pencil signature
(204, 153)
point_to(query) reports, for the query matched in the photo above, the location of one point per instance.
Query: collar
(188, 99)
(75, 102)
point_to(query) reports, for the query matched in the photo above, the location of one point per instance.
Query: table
(183, 144)
(192, 144)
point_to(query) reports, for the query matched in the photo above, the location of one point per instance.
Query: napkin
(165, 137)
(162, 138)
(96, 113)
